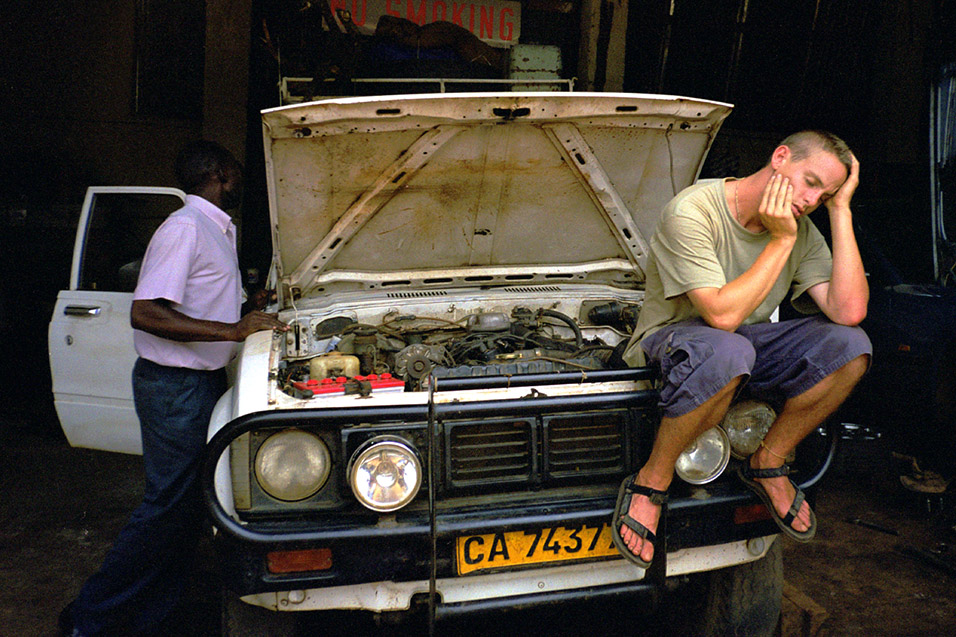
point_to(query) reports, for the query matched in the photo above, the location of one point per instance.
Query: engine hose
(564, 318)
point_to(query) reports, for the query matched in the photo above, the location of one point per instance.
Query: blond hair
(805, 143)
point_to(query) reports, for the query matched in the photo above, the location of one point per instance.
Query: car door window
(118, 230)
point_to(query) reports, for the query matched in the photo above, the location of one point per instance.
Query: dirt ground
(896, 577)
(62, 507)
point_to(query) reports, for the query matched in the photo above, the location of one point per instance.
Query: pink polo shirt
(191, 261)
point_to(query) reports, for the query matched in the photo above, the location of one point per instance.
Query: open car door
(90, 338)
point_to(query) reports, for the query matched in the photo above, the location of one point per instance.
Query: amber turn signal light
(299, 561)
(752, 513)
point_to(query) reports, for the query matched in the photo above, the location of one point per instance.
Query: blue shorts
(777, 360)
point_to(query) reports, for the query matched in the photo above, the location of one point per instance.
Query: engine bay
(401, 351)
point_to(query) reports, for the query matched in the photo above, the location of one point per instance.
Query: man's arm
(157, 317)
(727, 307)
(844, 297)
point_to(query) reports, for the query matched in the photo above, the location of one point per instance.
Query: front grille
(537, 450)
(491, 451)
(588, 444)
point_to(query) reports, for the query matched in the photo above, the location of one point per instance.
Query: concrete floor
(62, 507)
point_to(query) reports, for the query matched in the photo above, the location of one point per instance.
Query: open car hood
(480, 189)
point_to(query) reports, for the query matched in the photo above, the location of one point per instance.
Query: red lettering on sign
(506, 27)
(456, 13)
(419, 16)
(487, 22)
(359, 21)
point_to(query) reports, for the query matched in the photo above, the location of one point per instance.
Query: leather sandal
(749, 476)
(629, 488)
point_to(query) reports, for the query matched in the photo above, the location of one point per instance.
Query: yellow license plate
(521, 548)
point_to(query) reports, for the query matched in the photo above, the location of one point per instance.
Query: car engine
(403, 350)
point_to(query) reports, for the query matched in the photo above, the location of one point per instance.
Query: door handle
(81, 310)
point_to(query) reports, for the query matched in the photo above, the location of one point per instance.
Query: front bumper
(512, 590)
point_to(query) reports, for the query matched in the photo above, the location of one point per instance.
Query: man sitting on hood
(724, 256)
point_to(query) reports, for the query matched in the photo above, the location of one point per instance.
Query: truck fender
(221, 414)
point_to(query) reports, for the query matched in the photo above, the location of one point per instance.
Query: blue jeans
(143, 574)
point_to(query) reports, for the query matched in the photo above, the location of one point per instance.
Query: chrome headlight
(385, 473)
(746, 424)
(292, 465)
(705, 458)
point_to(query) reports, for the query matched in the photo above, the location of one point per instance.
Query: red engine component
(362, 385)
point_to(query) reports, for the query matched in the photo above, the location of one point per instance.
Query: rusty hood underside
(448, 190)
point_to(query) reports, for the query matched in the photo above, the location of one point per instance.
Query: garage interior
(105, 93)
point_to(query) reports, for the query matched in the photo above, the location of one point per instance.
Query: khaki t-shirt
(699, 244)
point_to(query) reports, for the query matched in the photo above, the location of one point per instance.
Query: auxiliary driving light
(705, 458)
(385, 473)
(746, 424)
(292, 465)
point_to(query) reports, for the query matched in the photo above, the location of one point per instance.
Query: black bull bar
(534, 403)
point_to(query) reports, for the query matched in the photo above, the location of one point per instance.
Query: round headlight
(385, 474)
(705, 458)
(746, 424)
(292, 465)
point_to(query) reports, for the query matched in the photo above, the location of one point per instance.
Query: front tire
(738, 600)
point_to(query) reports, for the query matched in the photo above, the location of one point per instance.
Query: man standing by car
(187, 319)
(724, 256)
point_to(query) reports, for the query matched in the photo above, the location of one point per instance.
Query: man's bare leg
(673, 436)
(799, 417)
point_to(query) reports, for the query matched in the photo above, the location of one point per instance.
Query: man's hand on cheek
(775, 212)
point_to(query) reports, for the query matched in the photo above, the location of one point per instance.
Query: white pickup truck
(444, 429)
